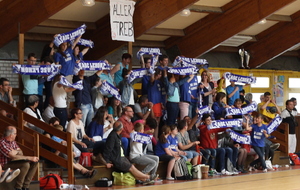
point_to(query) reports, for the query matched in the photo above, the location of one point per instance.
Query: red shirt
(127, 126)
(5, 148)
(208, 138)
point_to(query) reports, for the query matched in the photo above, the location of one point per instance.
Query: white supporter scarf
(69, 36)
(239, 78)
(138, 73)
(65, 82)
(187, 62)
(121, 22)
(274, 124)
(226, 123)
(241, 111)
(106, 87)
(183, 70)
(240, 138)
(141, 137)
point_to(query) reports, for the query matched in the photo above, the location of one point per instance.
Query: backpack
(50, 181)
(181, 170)
(294, 158)
(229, 165)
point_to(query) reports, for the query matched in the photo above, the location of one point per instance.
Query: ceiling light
(88, 3)
(263, 21)
(185, 12)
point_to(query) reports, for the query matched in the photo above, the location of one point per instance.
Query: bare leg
(195, 160)
(138, 174)
(170, 168)
(157, 128)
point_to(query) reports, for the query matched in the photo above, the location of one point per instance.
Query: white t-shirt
(136, 149)
(59, 96)
(77, 131)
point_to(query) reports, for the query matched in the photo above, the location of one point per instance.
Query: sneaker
(12, 175)
(154, 177)
(225, 172)
(265, 171)
(214, 172)
(4, 175)
(274, 146)
(235, 171)
(170, 178)
(251, 168)
(148, 182)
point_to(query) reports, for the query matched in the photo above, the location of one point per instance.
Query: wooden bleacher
(31, 141)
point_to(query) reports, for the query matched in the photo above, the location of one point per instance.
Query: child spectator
(137, 155)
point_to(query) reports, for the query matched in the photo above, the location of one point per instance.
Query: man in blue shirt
(233, 92)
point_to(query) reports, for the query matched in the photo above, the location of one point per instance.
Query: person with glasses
(76, 128)
(128, 127)
(6, 91)
(30, 82)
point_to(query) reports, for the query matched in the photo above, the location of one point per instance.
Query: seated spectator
(219, 106)
(125, 119)
(48, 112)
(113, 155)
(9, 151)
(143, 109)
(185, 144)
(209, 142)
(137, 155)
(172, 138)
(76, 128)
(163, 150)
(32, 109)
(114, 108)
(149, 128)
(101, 125)
(76, 165)
(6, 91)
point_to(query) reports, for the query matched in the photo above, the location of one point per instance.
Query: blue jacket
(171, 86)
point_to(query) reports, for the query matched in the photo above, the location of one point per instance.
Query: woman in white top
(33, 102)
(76, 128)
(59, 93)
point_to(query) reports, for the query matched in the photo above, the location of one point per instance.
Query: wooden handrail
(33, 146)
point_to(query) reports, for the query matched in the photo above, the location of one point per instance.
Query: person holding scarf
(118, 68)
(208, 89)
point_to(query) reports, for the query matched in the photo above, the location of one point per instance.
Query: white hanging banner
(121, 13)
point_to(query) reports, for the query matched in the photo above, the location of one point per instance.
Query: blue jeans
(260, 151)
(232, 154)
(192, 109)
(220, 154)
(62, 115)
(172, 112)
(87, 114)
(125, 143)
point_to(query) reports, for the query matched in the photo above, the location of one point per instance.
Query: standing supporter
(209, 142)
(126, 89)
(97, 97)
(79, 54)
(194, 95)
(174, 92)
(66, 59)
(233, 92)
(288, 116)
(83, 98)
(30, 82)
(248, 98)
(143, 109)
(106, 76)
(59, 97)
(185, 144)
(42, 82)
(258, 135)
(125, 119)
(32, 109)
(118, 68)
(221, 85)
(185, 96)
(6, 91)
(9, 150)
(163, 66)
(163, 150)
(155, 95)
(137, 155)
(219, 106)
(208, 89)
(101, 124)
(76, 128)
(113, 155)
(114, 108)
(268, 108)
(146, 78)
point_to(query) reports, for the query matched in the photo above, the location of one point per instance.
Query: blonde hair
(138, 127)
(59, 127)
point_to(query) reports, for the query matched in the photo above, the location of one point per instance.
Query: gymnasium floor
(284, 178)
